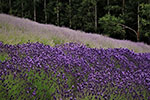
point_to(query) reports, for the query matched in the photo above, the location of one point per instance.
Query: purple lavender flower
(74, 71)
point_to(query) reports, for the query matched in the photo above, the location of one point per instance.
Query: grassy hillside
(14, 30)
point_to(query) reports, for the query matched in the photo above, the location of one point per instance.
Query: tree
(10, 7)
(88, 15)
(108, 6)
(138, 19)
(35, 9)
(0, 6)
(34, 4)
(50, 11)
(58, 12)
(77, 16)
(22, 7)
(111, 26)
(70, 13)
(95, 16)
(45, 10)
(145, 21)
(123, 6)
(113, 7)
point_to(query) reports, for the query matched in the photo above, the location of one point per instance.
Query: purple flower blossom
(74, 71)
(34, 93)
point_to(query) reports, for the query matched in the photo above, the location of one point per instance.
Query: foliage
(111, 26)
(73, 71)
(145, 17)
(114, 8)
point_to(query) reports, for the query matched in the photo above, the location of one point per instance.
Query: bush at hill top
(72, 71)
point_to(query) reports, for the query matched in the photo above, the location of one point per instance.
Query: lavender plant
(72, 71)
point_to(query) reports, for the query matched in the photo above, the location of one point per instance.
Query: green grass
(3, 56)
(12, 88)
(19, 88)
(24, 38)
(10, 34)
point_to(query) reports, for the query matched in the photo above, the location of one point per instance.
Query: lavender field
(14, 30)
(45, 62)
(72, 71)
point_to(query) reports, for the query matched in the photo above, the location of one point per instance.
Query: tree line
(121, 19)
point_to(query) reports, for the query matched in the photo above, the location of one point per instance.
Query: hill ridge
(48, 31)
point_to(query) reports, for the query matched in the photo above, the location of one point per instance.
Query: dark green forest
(121, 19)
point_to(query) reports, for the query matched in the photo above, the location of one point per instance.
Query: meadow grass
(4, 56)
(25, 38)
(53, 35)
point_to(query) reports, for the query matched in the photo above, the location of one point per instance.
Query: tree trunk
(10, 8)
(0, 6)
(96, 17)
(22, 6)
(34, 10)
(123, 6)
(45, 6)
(58, 16)
(138, 18)
(70, 14)
(108, 6)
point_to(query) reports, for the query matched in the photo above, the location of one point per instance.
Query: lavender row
(74, 71)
